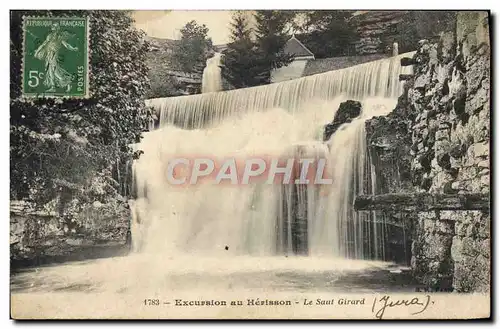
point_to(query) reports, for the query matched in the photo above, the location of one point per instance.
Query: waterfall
(262, 219)
(211, 79)
(374, 79)
(338, 229)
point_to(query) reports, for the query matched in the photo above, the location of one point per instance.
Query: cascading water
(260, 219)
(342, 231)
(211, 80)
(375, 79)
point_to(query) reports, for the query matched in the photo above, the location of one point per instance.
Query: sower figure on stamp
(55, 75)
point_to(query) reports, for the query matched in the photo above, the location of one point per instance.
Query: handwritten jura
(385, 302)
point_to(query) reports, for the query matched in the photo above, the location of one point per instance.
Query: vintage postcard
(258, 164)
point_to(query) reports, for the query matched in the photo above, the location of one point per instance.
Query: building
(301, 56)
(305, 63)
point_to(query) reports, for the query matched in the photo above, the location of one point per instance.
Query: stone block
(446, 214)
(427, 215)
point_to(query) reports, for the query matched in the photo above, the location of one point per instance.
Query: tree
(272, 33)
(163, 85)
(240, 59)
(327, 33)
(418, 25)
(76, 151)
(249, 63)
(193, 49)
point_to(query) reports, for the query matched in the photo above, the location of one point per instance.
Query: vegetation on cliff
(69, 155)
(191, 53)
(327, 33)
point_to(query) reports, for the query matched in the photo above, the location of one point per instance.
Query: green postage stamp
(56, 57)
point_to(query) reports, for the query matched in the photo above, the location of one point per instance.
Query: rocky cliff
(378, 30)
(446, 112)
(451, 153)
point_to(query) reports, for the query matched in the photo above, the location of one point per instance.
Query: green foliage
(193, 49)
(74, 149)
(160, 63)
(163, 85)
(248, 63)
(240, 60)
(419, 25)
(327, 33)
(271, 36)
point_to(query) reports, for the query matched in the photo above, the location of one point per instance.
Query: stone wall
(450, 149)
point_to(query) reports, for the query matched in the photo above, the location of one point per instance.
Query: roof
(294, 47)
(336, 63)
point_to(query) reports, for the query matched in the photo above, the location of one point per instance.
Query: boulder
(347, 111)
